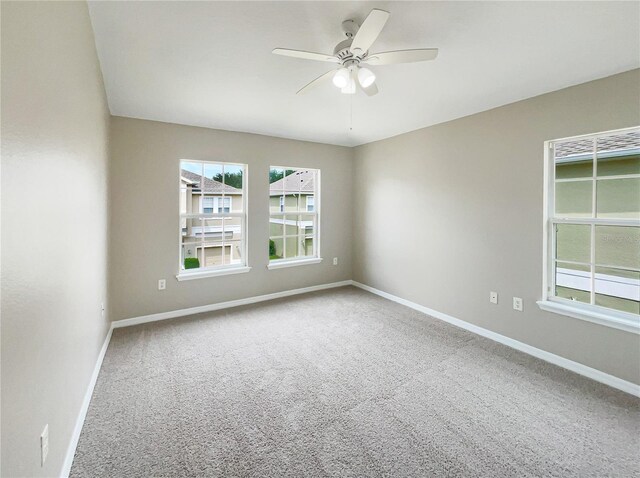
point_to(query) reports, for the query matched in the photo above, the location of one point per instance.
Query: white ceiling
(210, 63)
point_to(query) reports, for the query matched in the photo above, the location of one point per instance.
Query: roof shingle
(210, 185)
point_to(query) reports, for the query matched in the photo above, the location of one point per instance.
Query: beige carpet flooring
(342, 383)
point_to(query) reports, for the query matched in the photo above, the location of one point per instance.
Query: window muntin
(212, 216)
(293, 213)
(594, 223)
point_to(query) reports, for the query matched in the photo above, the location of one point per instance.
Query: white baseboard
(73, 444)
(224, 305)
(576, 367)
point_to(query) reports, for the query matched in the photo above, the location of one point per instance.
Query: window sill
(621, 322)
(280, 264)
(212, 273)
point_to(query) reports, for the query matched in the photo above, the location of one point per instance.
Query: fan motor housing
(342, 49)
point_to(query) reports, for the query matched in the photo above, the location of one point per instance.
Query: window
(212, 218)
(294, 217)
(207, 205)
(212, 204)
(593, 240)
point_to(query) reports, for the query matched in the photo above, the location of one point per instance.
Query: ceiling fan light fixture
(341, 78)
(366, 77)
(350, 89)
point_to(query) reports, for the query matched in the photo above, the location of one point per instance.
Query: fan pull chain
(351, 112)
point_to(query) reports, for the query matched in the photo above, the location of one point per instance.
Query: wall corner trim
(84, 408)
(563, 362)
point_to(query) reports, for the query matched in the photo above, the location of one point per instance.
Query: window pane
(212, 253)
(292, 202)
(574, 199)
(276, 203)
(233, 175)
(573, 149)
(573, 282)
(307, 224)
(183, 198)
(192, 229)
(189, 255)
(212, 180)
(276, 248)
(617, 145)
(276, 225)
(306, 248)
(276, 186)
(235, 252)
(212, 229)
(619, 165)
(619, 198)
(618, 289)
(275, 178)
(291, 225)
(574, 168)
(232, 228)
(573, 242)
(191, 174)
(618, 246)
(291, 244)
(234, 180)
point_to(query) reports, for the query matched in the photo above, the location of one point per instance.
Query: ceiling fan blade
(369, 31)
(401, 56)
(312, 84)
(305, 55)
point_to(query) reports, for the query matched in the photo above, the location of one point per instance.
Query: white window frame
(313, 202)
(203, 272)
(549, 302)
(300, 260)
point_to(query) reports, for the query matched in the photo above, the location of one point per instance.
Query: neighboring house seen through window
(593, 244)
(212, 216)
(294, 215)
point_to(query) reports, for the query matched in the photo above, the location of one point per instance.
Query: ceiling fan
(354, 52)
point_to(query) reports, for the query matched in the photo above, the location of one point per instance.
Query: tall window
(293, 215)
(594, 225)
(212, 216)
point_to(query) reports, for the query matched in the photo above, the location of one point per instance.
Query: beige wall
(465, 200)
(145, 163)
(54, 227)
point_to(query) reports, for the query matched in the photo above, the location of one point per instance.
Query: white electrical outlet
(162, 284)
(44, 444)
(517, 304)
(493, 297)
(335, 261)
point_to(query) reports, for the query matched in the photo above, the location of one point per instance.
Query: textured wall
(54, 226)
(144, 214)
(445, 214)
